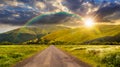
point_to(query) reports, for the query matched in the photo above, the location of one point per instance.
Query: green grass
(9, 55)
(97, 56)
(83, 34)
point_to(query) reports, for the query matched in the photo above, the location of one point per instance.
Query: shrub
(16, 55)
(112, 59)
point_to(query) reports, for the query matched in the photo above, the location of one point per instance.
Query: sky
(16, 13)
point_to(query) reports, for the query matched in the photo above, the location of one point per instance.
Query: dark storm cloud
(114, 16)
(16, 17)
(74, 4)
(57, 18)
(108, 10)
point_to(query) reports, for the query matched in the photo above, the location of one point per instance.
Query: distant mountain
(24, 34)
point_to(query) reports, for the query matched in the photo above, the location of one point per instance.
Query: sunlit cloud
(16, 15)
(51, 6)
(40, 5)
(1, 5)
(12, 3)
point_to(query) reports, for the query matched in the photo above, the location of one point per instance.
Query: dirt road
(52, 57)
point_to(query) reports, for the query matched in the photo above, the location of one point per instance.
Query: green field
(97, 56)
(9, 55)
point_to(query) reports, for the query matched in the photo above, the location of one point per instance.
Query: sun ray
(89, 22)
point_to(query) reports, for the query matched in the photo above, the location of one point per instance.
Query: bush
(3, 56)
(16, 55)
(112, 59)
(6, 43)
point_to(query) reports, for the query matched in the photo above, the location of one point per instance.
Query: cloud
(114, 16)
(18, 12)
(1, 5)
(98, 9)
(107, 11)
(73, 5)
(52, 18)
(56, 18)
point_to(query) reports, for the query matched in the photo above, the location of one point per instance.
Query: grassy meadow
(97, 56)
(11, 54)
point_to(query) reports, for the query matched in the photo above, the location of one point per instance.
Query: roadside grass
(95, 55)
(11, 54)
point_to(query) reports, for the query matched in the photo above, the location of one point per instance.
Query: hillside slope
(113, 40)
(27, 33)
(82, 34)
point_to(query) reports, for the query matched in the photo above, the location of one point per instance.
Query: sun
(89, 22)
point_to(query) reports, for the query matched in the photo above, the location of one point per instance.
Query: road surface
(52, 57)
